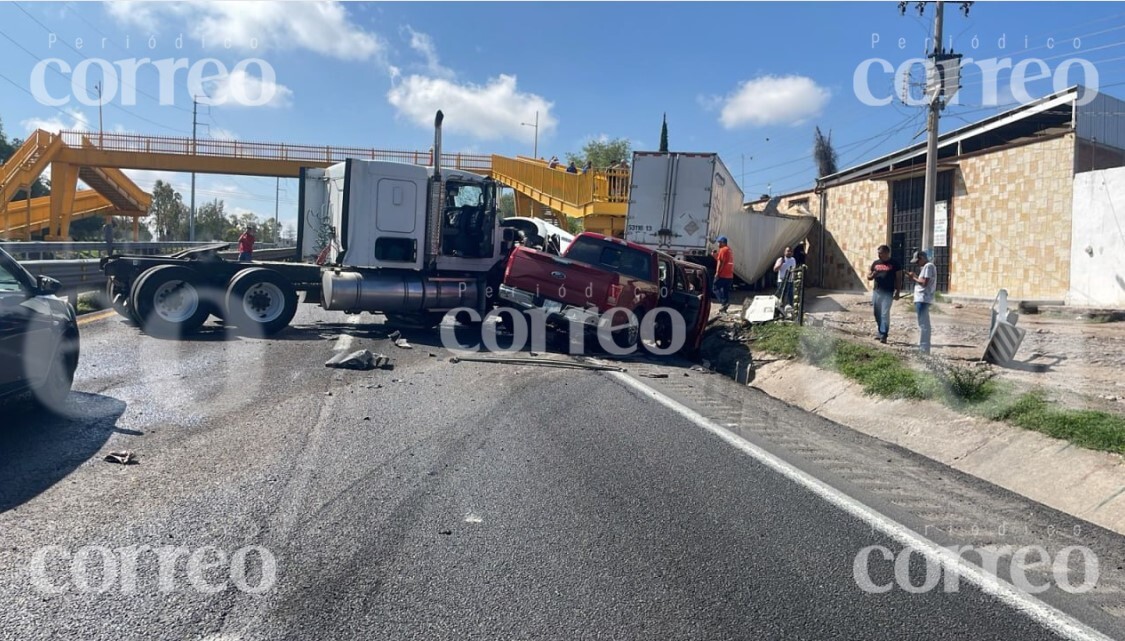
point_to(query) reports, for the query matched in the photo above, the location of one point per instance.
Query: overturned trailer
(758, 238)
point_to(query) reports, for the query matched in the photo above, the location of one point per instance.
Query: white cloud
(774, 100)
(423, 44)
(487, 112)
(218, 133)
(239, 88)
(78, 122)
(321, 27)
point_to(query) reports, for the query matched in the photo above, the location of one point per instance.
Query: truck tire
(260, 302)
(118, 299)
(170, 301)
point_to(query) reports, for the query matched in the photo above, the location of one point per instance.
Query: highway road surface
(275, 498)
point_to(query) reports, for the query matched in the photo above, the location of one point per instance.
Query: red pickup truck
(598, 273)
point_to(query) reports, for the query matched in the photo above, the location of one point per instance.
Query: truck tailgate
(563, 280)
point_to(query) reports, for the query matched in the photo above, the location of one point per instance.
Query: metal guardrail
(24, 251)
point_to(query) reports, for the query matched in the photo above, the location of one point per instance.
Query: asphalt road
(436, 501)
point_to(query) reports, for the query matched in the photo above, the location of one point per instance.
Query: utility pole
(276, 199)
(942, 78)
(932, 115)
(191, 213)
(535, 152)
(99, 88)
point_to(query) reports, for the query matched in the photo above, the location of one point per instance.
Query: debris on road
(360, 360)
(654, 375)
(125, 457)
(402, 343)
(394, 336)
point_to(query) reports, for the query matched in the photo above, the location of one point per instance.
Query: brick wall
(1010, 224)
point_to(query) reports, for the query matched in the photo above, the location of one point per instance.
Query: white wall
(1097, 250)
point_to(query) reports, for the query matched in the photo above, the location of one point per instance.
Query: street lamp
(535, 152)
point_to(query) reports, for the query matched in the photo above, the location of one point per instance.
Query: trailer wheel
(169, 301)
(118, 297)
(260, 301)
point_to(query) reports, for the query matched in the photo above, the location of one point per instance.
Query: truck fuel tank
(401, 292)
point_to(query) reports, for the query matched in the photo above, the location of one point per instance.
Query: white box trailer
(676, 200)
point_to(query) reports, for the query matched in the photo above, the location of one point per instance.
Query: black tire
(170, 301)
(260, 302)
(118, 298)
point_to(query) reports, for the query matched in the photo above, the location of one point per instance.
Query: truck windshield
(607, 255)
(460, 195)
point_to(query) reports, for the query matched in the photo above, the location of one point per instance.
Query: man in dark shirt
(884, 274)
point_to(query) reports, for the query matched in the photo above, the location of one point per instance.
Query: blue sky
(747, 80)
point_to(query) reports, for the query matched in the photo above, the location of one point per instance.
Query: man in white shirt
(784, 266)
(925, 284)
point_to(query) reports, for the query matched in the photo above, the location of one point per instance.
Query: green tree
(507, 204)
(824, 154)
(211, 223)
(269, 231)
(603, 153)
(168, 214)
(664, 135)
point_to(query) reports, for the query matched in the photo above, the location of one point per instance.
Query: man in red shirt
(246, 245)
(724, 273)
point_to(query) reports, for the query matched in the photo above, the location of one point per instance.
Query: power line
(80, 54)
(112, 104)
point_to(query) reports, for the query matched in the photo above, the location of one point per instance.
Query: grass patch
(972, 388)
(1087, 428)
(879, 372)
(782, 339)
(87, 303)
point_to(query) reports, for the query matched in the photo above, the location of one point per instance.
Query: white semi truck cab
(408, 241)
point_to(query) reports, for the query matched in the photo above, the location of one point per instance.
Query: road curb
(1084, 483)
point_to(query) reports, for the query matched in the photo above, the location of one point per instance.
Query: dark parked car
(39, 341)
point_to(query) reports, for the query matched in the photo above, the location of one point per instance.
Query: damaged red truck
(602, 282)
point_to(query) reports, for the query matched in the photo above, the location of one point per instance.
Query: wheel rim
(175, 301)
(263, 302)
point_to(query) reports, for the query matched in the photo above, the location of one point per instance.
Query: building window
(799, 202)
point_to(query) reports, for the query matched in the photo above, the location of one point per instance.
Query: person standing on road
(784, 266)
(724, 273)
(107, 233)
(884, 275)
(925, 284)
(246, 245)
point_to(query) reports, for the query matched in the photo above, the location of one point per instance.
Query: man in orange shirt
(724, 273)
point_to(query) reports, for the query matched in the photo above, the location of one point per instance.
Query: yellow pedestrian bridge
(598, 197)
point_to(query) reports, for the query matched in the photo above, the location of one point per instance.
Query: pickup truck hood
(569, 281)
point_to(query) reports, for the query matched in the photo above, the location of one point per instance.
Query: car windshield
(8, 280)
(611, 256)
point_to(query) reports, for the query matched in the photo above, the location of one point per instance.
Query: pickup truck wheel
(169, 301)
(627, 338)
(260, 302)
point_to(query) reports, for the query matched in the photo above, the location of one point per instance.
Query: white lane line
(1049, 617)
